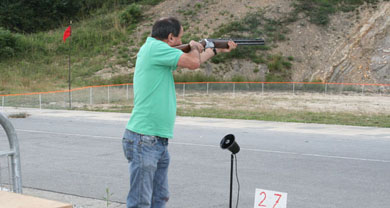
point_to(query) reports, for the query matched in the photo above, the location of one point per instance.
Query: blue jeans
(148, 166)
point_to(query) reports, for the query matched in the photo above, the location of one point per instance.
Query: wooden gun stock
(223, 43)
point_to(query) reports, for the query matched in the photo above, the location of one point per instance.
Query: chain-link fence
(87, 97)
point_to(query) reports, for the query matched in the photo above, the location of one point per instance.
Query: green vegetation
(11, 44)
(131, 15)
(319, 11)
(26, 16)
(39, 61)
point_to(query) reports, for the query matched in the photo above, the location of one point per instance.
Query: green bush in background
(28, 16)
(11, 44)
(319, 11)
(7, 43)
(132, 15)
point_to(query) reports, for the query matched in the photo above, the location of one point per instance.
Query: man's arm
(206, 55)
(209, 53)
(192, 59)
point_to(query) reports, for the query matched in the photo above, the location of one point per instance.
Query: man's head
(168, 30)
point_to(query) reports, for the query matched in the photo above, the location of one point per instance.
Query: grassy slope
(44, 65)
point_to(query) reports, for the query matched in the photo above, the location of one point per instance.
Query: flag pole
(69, 72)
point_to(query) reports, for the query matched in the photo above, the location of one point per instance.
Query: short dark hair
(163, 27)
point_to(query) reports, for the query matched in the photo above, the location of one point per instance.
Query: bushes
(27, 16)
(10, 44)
(279, 68)
(7, 43)
(30, 16)
(319, 11)
(132, 15)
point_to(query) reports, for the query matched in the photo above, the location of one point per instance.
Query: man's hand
(196, 45)
(232, 46)
(191, 60)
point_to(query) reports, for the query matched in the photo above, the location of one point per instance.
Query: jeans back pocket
(128, 148)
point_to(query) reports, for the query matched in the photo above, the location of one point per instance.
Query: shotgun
(221, 43)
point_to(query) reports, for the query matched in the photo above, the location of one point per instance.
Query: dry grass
(306, 108)
(19, 115)
(313, 102)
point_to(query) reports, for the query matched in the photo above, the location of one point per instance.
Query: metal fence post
(40, 101)
(14, 153)
(363, 89)
(2, 103)
(234, 89)
(108, 94)
(262, 88)
(127, 92)
(90, 96)
(326, 88)
(207, 88)
(71, 99)
(184, 89)
(294, 88)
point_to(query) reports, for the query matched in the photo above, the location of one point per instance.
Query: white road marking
(216, 146)
(67, 134)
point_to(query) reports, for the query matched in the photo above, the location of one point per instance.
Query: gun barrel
(258, 41)
(249, 42)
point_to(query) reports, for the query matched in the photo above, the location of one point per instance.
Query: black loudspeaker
(228, 143)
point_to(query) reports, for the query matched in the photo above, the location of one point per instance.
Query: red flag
(67, 33)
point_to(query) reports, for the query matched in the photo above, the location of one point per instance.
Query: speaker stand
(231, 180)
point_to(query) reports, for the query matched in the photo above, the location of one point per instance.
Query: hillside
(353, 45)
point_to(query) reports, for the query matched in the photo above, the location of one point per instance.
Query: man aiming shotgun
(152, 120)
(221, 43)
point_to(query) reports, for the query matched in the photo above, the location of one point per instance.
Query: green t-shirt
(154, 109)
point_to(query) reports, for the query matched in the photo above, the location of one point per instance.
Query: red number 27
(265, 196)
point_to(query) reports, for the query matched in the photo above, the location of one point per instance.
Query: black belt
(157, 137)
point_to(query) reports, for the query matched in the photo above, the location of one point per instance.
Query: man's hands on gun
(197, 46)
(196, 53)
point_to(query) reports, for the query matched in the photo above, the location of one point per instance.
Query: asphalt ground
(79, 154)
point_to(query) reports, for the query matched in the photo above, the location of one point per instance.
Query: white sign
(270, 199)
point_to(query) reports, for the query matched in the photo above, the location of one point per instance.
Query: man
(151, 123)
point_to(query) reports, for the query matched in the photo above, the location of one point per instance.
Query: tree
(28, 16)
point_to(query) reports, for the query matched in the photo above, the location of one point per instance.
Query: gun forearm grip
(221, 44)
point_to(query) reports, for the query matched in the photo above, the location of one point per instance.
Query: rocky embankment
(365, 56)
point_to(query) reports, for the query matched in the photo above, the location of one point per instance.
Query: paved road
(327, 166)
